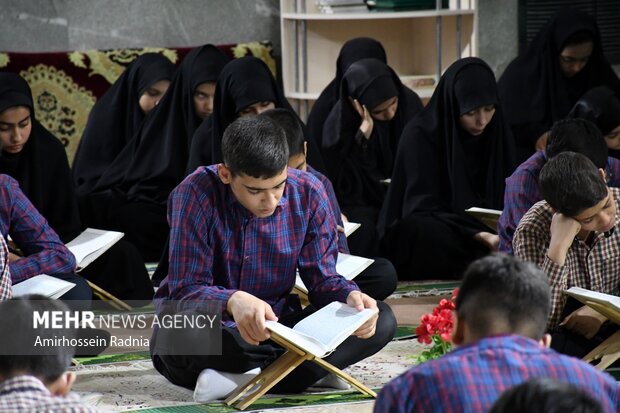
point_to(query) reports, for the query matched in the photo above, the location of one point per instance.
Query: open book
(489, 217)
(350, 227)
(43, 284)
(347, 265)
(90, 244)
(606, 304)
(321, 332)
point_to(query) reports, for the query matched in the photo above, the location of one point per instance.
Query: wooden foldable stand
(606, 353)
(276, 371)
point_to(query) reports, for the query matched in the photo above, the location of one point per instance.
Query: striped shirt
(44, 252)
(217, 247)
(595, 267)
(472, 377)
(28, 394)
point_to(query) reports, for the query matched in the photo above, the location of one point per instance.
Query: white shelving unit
(418, 43)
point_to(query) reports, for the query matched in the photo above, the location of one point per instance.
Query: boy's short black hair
(292, 129)
(578, 135)
(255, 146)
(571, 183)
(16, 324)
(543, 395)
(502, 294)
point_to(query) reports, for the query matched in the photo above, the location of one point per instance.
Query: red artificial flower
(436, 328)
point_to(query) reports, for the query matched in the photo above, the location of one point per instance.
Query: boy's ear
(458, 331)
(602, 174)
(62, 385)
(305, 148)
(224, 173)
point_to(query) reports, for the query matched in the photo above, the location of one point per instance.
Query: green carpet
(269, 402)
(421, 287)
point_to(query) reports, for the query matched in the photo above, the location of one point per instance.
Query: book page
(92, 241)
(303, 341)
(333, 324)
(43, 284)
(350, 227)
(347, 265)
(602, 298)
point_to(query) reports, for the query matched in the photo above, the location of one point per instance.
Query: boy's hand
(360, 301)
(250, 313)
(491, 241)
(585, 321)
(563, 231)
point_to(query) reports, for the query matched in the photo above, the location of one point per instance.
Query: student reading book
(238, 231)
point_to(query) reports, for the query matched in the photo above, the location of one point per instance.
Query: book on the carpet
(606, 304)
(347, 265)
(350, 227)
(91, 244)
(42, 284)
(321, 332)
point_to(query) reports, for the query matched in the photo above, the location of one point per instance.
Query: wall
(56, 25)
(498, 33)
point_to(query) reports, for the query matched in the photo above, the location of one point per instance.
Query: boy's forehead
(262, 183)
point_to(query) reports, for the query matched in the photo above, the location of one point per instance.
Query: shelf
(372, 15)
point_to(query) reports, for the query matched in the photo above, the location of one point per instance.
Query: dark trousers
(379, 280)
(239, 356)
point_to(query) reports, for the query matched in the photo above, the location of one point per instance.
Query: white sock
(212, 384)
(332, 381)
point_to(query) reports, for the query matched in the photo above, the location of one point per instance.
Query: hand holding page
(42, 284)
(91, 244)
(321, 332)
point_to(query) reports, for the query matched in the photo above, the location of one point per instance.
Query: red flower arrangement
(436, 329)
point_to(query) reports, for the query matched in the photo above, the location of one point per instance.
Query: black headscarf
(440, 168)
(115, 119)
(41, 168)
(243, 82)
(352, 51)
(153, 163)
(533, 89)
(356, 172)
(599, 105)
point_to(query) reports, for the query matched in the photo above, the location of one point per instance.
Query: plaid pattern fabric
(595, 267)
(44, 253)
(29, 394)
(343, 246)
(470, 378)
(522, 192)
(218, 247)
(6, 290)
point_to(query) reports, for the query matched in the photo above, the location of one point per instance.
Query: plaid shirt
(595, 267)
(218, 247)
(471, 378)
(44, 253)
(6, 290)
(25, 394)
(343, 246)
(522, 192)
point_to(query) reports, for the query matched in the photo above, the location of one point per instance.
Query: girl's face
(385, 110)
(475, 121)
(203, 99)
(151, 96)
(613, 139)
(15, 128)
(574, 58)
(256, 108)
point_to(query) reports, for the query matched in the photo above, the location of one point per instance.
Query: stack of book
(341, 6)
